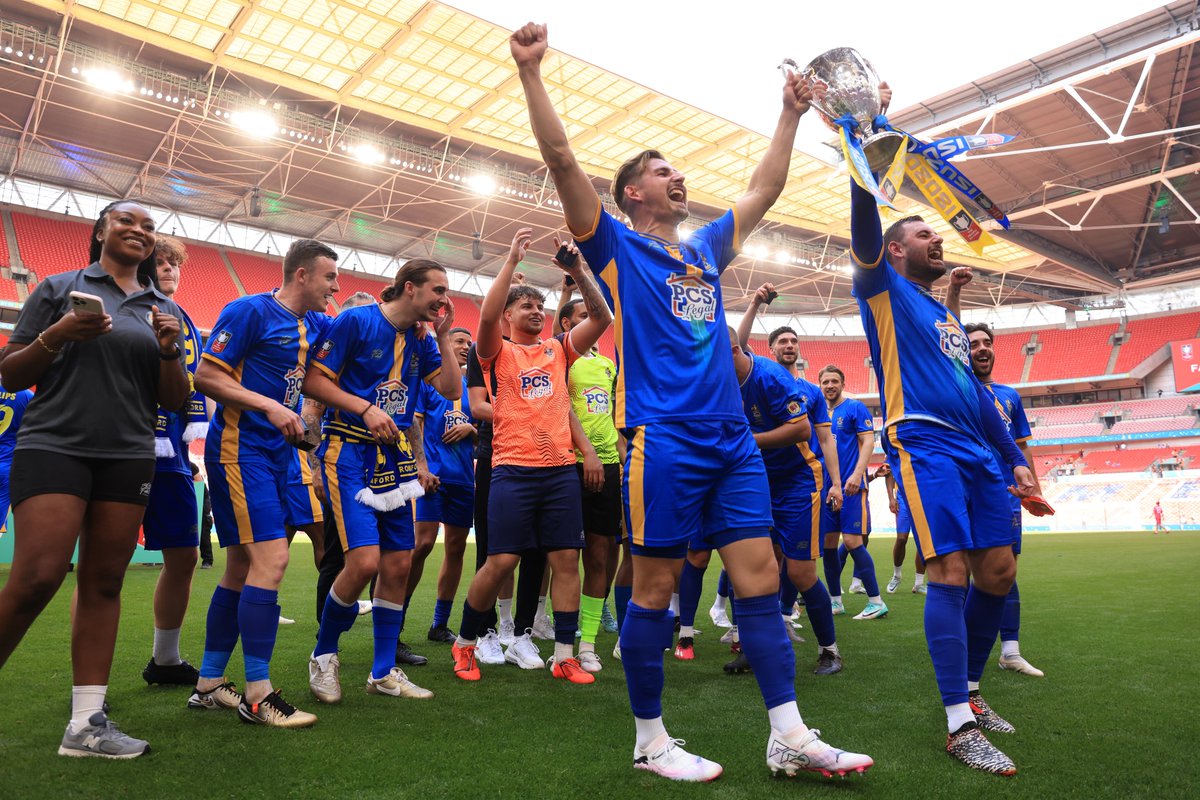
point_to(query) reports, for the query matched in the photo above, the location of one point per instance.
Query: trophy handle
(788, 66)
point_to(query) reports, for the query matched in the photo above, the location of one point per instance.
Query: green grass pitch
(1111, 618)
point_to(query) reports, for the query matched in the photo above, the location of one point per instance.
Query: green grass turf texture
(1110, 617)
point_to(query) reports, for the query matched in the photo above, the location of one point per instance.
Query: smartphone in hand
(83, 303)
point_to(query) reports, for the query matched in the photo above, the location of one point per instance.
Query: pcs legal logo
(692, 298)
(392, 397)
(536, 383)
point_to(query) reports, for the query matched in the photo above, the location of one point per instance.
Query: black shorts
(116, 480)
(534, 508)
(602, 510)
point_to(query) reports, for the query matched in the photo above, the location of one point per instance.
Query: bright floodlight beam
(482, 184)
(258, 124)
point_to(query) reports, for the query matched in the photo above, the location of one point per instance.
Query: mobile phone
(771, 295)
(82, 303)
(566, 256)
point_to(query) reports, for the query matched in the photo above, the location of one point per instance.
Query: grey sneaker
(608, 621)
(101, 739)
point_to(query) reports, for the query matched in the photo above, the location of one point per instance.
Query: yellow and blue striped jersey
(266, 347)
(770, 398)
(669, 323)
(177, 422)
(371, 358)
(452, 463)
(850, 418)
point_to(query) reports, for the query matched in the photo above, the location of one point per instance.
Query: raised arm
(448, 382)
(866, 231)
(581, 203)
(770, 176)
(588, 332)
(757, 300)
(487, 344)
(959, 278)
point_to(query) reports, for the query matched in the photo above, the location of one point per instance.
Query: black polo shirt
(99, 398)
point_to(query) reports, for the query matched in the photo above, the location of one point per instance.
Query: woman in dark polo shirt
(84, 457)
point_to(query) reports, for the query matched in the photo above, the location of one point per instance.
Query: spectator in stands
(172, 517)
(84, 458)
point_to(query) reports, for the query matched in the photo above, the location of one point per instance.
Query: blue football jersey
(770, 398)
(177, 422)
(850, 418)
(669, 325)
(452, 463)
(371, 358)
(818, 415)
(266, 348)
(12, 408)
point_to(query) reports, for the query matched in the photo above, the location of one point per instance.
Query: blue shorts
(348, 469)
(247, 500)
(854, 517)
(903, 516)
(534, 508)
(302, 507)
(693, 480)
(171, 515)
(955, 492)
(452, 504)
(797, 515)
(1015, 505)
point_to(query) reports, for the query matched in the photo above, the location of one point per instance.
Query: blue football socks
(767, 647)
(981, 614)
(336, 618)
(864, 570)
(1010, 622)
(221, 632)
(820, 613)
(258, 617)
(621, 596)
(386, 621)
(833, 571)
(645, 634)
(946, 636)
(691, 584)
(441, 612)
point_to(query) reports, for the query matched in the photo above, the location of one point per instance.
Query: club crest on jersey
(954, 342)
(392, 397)
(536, 383)
(454, 418)
(794, 408)
(222, 339)
(597, 400)
(692, 298)
(325, 349)
(293, 383)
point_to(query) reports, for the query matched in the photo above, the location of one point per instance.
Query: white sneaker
(1018, 663)
(728, 636)
(919, 588)
(893, 585)
(838, 608)
(524, 653)
(793, 753)
(286, 620)
(323, 680)
(668, 759)
(543, 628)
(397, 684)
(508, 632)
(856, 586)
(617, 651)
(720, 617)
(364, 607)
(589, 660)
(487, 649)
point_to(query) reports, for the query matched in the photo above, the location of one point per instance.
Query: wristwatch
(173, 355)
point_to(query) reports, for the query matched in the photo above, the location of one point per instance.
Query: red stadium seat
(1066, 354)
(205, 286)
(1147, 335)
(51, 246)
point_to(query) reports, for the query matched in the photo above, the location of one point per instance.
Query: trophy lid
(852, 87)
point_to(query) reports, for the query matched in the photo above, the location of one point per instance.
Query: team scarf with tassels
(393, 480)
(195, 414)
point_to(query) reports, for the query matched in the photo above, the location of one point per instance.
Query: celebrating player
(941, 425)
(535, 493)
(692, 469)
(254, 367)
(367, 372)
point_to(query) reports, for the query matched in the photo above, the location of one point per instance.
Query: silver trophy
(852, 88)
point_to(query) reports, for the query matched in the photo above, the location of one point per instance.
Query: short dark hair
(462, 330)
(415, 271)
(834, 369)
(568, 310)
(629, 172)
(895, 231)
(780, 331)
(302, 254)
(979, 326)
(523, 290)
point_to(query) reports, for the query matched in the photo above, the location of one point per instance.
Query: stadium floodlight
(783, 256)
(258, 124)
(107, 79)
(481, 183)
(367, 153)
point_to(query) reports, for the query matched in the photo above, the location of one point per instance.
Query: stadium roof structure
(399, 127)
